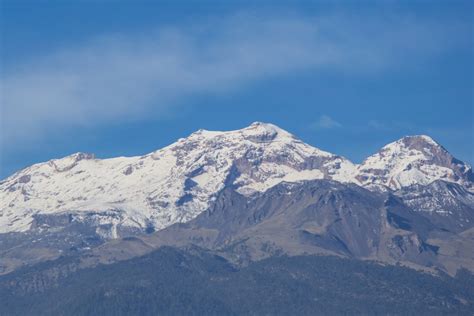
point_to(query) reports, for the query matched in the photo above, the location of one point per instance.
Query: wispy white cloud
(127, 77)
(325, 122)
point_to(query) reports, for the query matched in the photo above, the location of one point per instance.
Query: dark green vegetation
(194, 281)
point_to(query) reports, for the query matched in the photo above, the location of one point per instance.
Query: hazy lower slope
(194, 282)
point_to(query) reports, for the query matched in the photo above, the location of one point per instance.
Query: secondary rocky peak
(413, 160)
(69, 162)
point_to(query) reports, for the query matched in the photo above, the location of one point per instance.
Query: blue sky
(128, 77)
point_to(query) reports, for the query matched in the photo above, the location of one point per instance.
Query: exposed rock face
(67, 163)
(449, 205)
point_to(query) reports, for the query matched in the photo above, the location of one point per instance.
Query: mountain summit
(173, 184)
(178, 182)
(413, 160)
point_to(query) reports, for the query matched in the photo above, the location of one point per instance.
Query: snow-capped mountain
(178, 182)
(173, 184)
(413, 160)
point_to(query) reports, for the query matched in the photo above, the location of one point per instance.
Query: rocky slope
(313, 217)
(448, 204)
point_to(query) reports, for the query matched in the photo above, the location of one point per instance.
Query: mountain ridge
(177, 182)
(246, 194)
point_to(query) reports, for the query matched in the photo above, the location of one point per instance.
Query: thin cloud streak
(129, 77)
(325, 122)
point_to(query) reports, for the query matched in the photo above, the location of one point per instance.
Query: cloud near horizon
(117, 78)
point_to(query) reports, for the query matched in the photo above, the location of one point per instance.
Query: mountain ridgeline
(221, 212)
(176, 183)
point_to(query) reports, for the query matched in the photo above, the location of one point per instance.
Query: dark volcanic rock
(314, 217)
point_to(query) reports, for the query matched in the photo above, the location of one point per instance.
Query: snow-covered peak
(419, 142)
(173, 184)
(257, 131)
(413, 160)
